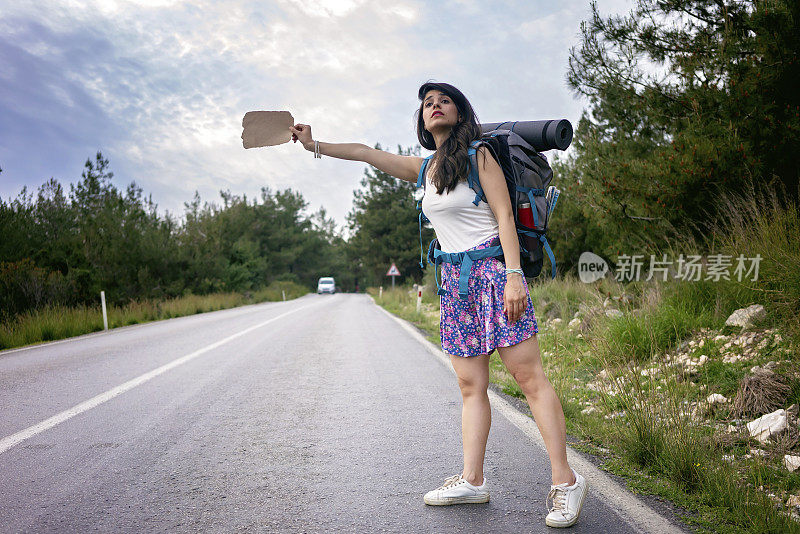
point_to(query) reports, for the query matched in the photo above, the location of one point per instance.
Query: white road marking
(9, 441)
(634, 512)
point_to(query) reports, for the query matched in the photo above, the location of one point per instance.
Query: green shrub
(764, 223)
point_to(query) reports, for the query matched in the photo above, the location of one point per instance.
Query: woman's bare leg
(476, 414)
(524, 362)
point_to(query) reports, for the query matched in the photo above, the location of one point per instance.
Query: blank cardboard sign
(266, 128)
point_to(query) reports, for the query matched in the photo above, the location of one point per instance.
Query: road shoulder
(648, 513)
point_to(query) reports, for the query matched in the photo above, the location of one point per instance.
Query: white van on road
(326, 285)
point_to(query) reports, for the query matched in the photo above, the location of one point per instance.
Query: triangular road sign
(393, 271)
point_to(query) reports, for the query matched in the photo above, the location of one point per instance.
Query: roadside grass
(402, 301)
(635, 365)
(645, 425)
(764, 223)
(59, 322)
(654, 434)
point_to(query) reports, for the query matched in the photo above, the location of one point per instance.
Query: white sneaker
(567, 502)
(456, 490)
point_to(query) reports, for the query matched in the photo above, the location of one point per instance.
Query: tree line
(62, 247)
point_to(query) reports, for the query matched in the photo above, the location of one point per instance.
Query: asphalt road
(321, 414)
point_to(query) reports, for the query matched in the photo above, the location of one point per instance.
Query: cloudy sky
(160, 86)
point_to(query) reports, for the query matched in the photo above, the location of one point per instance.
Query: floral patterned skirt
(477, 325)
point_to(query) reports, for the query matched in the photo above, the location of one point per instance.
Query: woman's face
(439, 111)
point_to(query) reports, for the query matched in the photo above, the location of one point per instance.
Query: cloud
(46, 113)
(161, 86)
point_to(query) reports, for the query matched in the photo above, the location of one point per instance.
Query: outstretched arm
(403, 167)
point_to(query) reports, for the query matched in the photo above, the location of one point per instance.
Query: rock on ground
(745, 317)
(716, 398)
(767, 425)
(791, 462)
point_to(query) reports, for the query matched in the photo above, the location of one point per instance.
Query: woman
(498, 313)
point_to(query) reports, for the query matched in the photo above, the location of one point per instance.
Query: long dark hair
(452, 161)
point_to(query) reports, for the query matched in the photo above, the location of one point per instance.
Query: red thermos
(525, 214)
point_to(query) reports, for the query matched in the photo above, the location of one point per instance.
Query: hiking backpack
(528, 177)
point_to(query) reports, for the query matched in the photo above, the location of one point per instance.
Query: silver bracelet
(518, 271)
(316, 150)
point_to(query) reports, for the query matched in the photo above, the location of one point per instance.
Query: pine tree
(687, 99)
(384, 227)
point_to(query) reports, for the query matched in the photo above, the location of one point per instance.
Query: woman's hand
(515, 297)
(302, 133)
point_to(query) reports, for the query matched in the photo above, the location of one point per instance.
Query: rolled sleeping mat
(541, 135)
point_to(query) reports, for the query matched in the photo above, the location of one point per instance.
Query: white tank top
(459, 224)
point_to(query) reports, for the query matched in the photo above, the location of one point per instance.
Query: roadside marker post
(105, 314)
(419, 299)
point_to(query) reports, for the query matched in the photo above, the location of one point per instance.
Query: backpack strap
(432, 248)
(421, 183)
(421, 177)
(472, 178)
(532, 192)
(546, 246)
(549, 251)
(421, 253)
(501, 126)
(465, 260)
